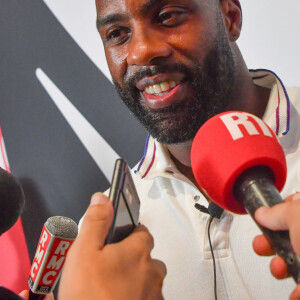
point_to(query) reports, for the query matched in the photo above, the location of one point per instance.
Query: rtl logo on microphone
(240, 124)
(48, 262)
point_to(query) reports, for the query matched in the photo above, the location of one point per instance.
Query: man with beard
(175, 64)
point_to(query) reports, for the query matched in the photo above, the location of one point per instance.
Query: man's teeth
(160, 88)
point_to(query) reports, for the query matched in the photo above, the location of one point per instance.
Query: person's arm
(123, 270)
(284, 216)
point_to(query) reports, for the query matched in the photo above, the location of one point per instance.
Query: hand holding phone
(126, 203)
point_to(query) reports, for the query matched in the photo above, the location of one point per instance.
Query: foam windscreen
(229, 144)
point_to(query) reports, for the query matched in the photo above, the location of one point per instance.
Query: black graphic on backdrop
(57, 173)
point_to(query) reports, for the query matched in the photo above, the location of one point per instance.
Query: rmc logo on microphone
(48, 262)
(235, 121)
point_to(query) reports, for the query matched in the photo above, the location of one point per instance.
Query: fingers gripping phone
(125, 201)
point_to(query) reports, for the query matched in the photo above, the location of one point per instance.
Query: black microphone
(6, 294)
(213, 209)
(12, 200)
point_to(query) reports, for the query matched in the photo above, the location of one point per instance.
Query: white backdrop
(270, 36)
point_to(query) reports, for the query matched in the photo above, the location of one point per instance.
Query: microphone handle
(255, 188)
(33, 296)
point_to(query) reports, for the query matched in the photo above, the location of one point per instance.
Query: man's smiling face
(170, 61)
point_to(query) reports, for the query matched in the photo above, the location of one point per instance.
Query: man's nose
(147, 47)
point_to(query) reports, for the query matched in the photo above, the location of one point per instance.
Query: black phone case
(123, 189)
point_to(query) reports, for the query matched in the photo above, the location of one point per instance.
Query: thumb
(96, 222)
(24, 294)
(273, 218)
(281, 216)
(49, 297)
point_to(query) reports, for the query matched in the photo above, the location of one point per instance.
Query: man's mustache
(130, 79)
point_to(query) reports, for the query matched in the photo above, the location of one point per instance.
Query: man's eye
(172, 18)
(117, 35)
(114, 34)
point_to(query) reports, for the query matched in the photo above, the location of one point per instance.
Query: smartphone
(125, 201)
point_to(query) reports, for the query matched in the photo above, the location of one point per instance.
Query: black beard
(213, 82)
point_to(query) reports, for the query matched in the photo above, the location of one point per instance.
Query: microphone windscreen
(6, 294)
(12, 200)
(229, 144)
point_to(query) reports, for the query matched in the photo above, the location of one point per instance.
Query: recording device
(125, 201)
(244, 169)
(12, 200)
(56, 238)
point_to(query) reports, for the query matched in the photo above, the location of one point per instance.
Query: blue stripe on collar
(287, 100)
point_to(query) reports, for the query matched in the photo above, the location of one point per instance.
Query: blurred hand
(283, 216)
(123, 270)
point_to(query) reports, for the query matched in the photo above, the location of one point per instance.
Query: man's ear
(232, 14)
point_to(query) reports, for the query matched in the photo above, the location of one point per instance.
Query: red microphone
(56, 238)
(240, 165)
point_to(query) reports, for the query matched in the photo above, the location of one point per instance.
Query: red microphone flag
(56, 239)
